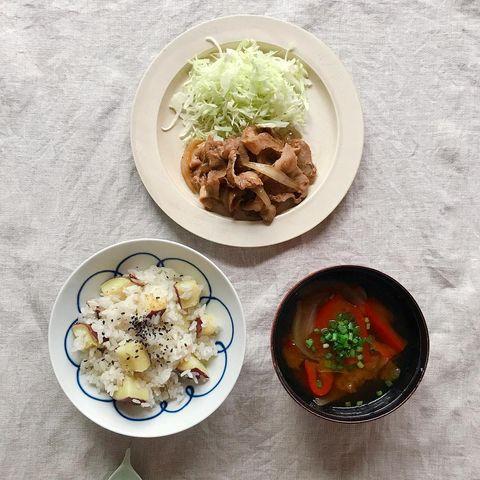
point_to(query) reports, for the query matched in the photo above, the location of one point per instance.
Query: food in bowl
(343, 345)
(254, 176)
(145, 337)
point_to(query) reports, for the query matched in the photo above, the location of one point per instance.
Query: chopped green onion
(379, 393)
(328, 355)
(319, 383)
(359, 403)
(388, 383)
(348, 404)
(344, 339)
(309, 342)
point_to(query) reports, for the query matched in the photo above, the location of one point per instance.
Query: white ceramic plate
(199, 403)
(334, 130)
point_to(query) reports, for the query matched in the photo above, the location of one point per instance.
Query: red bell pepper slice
(320, 383)
(331, 308)
(382, 328)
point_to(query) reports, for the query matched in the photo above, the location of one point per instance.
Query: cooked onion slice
(321, 401)
(185, 165)
(272, 173)
(262, 195)
(355, 295)
(303, 325)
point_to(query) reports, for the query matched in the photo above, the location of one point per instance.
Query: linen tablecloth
(68, 74)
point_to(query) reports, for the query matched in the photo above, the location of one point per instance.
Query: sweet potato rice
(145, 337)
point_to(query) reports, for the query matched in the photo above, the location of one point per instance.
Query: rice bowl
(178, 397)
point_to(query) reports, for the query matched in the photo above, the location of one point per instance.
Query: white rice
(168, 337)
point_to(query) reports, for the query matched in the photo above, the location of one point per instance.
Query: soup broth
(343, 347)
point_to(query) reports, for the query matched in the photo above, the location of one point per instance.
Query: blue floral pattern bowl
(200, 400)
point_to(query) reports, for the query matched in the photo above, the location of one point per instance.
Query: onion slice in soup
(304, 320)
(355, 295)
(302, 326)
(322, 401)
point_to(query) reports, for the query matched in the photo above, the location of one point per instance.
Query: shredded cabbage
(240, 87)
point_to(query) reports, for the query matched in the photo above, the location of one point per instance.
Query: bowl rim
(422, 324)
(348, 147)
(242, 326)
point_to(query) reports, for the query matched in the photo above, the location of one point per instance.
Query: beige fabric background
(68, 73)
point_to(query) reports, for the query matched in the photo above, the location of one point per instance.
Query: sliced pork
(254, 176)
